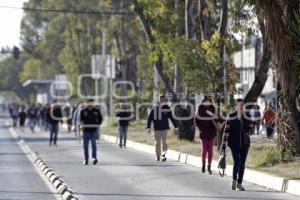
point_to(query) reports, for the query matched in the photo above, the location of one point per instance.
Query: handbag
(222, 163)
(222, 158)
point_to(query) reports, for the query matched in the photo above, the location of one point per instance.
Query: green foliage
(267, 157)
(9, 80)
(64, 42)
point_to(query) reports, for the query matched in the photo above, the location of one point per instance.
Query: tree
(261, 74)
(282, 30)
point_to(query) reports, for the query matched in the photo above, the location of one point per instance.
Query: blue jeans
(87, 137)
(32, 123)
(45, 124)
(123, 135)
(239, 156)
(53, 133)
(15, 120)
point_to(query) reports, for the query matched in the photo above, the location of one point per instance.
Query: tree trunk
(178, 88)
(222, 31)
(295, 114)
(203, 19)
(261, 74)
(188, 19)
(159, 62)
(223, 18)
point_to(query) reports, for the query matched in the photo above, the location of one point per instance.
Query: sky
(10, 21)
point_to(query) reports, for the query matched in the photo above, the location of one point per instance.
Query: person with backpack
(160, 115)
(205, 120)
(54, 116)
(90, 121)
(124, 116)
(238, 129)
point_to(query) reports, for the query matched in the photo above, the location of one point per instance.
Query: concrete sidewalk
(131, 174)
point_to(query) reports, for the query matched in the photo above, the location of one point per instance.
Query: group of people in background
(35, 115)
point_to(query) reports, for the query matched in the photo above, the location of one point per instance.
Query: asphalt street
(128, 174)
(18, 177)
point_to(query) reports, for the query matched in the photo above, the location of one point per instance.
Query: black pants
(270, 130)
(239, 156)
(53, 133)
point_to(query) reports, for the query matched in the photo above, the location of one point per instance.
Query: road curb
(47, 172)
(260, 178)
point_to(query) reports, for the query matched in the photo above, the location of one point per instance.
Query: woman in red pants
(205, 121)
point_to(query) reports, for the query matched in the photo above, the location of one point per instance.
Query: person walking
(90, 121)
(205, 120)
(269, 120)
(236, 134)
(160, 115)
(13, 110)
(32, 115)
(68, 117)
(124, 116)
(54, 116)
(76, 120)
(256, 117)
(22, 118)
(43, 116)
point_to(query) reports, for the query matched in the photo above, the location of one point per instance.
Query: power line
(87, 12)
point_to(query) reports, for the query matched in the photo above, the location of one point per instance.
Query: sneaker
(120, 146)
(85, 162)
(95, 161)
(233, 185)
(164, 158)
(240, 187)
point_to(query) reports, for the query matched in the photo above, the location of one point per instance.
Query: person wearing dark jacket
(205, 120)
(237, 135)
(90, 121)
(22, 117)
(54, 116)
(160, 115)
(124, 115)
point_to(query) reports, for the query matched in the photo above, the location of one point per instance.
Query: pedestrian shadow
(27, 192)
(12, 154)
(140, 196)
(43, 139)
(131, 164)
(264, 191)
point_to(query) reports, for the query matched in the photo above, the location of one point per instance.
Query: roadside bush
(111, 122)
(267, 157)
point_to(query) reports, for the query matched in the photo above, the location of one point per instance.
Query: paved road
(18, 177)
(132, 175)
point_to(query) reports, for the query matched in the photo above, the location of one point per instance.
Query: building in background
(42, 88)
(246, 62)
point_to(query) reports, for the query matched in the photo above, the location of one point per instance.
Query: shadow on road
(179, 196)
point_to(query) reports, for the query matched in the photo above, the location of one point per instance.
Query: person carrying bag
(237, 135)
(222, 158)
